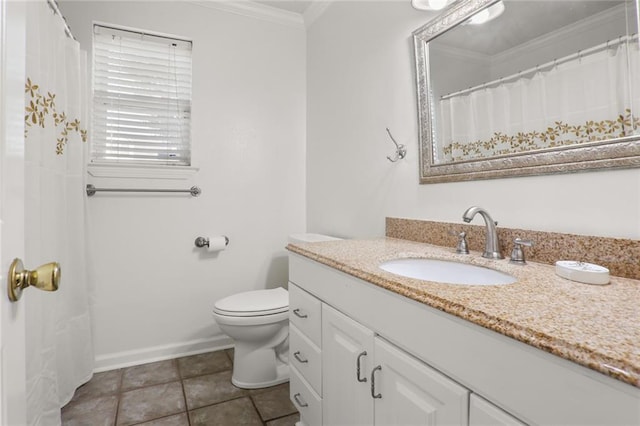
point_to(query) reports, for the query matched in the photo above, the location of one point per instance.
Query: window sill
(137, 171)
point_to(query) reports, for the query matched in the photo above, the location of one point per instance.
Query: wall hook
(401, 151)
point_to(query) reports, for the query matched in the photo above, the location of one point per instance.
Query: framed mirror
(516, 87)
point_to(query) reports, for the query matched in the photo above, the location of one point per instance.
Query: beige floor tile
(285, 421)
(101, 384)
(181, 419)
(237, 412)
(210, 389)
(91, 412)
(149, 374)
(274, 403)
(153, 395)
(151, 403)
(207, 363)
(269, 389)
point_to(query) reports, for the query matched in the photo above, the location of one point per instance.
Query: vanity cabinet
(435, 368)
(369, 381)
(359, 378)
(483, 413)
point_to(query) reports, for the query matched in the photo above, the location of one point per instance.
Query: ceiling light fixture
(430, 4)
(486, 15)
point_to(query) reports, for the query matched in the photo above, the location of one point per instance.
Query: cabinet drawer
(306, 358)
(305, 313)
(306, 401)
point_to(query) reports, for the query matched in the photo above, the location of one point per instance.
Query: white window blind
(141, 98)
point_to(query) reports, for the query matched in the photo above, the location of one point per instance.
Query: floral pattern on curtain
(39, 107)
(584, 100)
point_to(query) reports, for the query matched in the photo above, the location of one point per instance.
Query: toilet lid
(253, 303)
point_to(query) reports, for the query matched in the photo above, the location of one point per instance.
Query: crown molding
(254, 10)
(315, 10)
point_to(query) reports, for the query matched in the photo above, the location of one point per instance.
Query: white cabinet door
(412, 393)
(484, 413)
(390, 388)
(346, 399)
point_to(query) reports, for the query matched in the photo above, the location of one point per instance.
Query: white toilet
(258, 322)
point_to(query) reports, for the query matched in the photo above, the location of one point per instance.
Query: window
(141, 98)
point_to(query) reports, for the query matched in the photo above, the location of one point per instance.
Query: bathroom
(289, 112)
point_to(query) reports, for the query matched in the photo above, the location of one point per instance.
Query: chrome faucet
(492, 245)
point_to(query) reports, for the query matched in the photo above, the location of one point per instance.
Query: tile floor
(189, 391)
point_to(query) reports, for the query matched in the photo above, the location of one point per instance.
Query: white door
(346, 344)
(412, 393)
(12, 201)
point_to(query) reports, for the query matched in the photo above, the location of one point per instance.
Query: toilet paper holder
(204, 241)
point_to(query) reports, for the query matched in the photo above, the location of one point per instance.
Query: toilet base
(282, 376)
(257, 365)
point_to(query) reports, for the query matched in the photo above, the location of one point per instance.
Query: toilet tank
(310, 238)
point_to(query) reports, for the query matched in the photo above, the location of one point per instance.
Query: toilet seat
(254, 303)
(249, 321)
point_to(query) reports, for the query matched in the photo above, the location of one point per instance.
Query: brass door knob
(45, 277)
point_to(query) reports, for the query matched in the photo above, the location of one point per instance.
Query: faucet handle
(462, 247)
(517, 254)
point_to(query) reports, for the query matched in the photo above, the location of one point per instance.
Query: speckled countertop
(595, 326)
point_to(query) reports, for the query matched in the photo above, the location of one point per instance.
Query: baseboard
(160, 353)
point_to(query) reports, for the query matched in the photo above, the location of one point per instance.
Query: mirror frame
(613, 153)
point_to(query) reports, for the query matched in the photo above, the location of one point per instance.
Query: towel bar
(91, 190)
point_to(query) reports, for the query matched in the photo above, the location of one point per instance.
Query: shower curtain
(582, 100)
(59, 345)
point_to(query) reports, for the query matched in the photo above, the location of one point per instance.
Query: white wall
(153, 290)
(361, 79)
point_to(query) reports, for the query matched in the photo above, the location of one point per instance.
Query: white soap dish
(582, 272)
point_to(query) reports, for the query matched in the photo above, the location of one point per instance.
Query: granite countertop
(595, 326)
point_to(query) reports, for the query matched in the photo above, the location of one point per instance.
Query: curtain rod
(553, 63)
(53, 4)
(139, 32)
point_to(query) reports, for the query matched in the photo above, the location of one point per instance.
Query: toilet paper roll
(218, 243)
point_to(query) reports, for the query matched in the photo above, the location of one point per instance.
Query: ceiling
(295, 6)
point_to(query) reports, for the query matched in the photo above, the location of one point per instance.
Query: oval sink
(447, 272)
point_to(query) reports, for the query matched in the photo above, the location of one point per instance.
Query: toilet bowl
(258, 323)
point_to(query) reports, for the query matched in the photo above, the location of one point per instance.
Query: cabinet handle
(373, 383)
(360, 379)
(300, 401)
(296, 355)
(298, 314)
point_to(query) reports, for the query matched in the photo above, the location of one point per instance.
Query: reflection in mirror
(527, 87)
